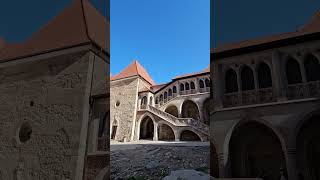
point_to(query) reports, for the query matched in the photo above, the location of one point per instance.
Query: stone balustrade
(256, 96)
(181, 121)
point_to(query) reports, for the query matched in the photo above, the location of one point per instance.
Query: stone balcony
(267, 95)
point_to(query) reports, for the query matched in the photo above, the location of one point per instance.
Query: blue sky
(168, 37)
(246, 19)
(20, 19)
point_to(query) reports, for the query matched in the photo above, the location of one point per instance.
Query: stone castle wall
(41, 111)
(125, 92)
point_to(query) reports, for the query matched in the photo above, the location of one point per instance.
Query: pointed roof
(134, 69)
(313, 26)
(78, 24)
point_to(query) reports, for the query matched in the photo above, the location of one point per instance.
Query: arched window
(174, 89)
(264, 76)
(161, 98)
(312, 67)
(187, 86)
(231, 84)
(293, 71)
(144, 100)
(170, 92)
(165, 95)
(181, 87)
(192, 85)
(207, 82)
(247, 78)
(201, 83)
(150, 101)
(157, 100)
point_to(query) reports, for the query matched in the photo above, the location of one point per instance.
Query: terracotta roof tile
(77, 24)
(206, 70)
(134, 69)
(312, 26)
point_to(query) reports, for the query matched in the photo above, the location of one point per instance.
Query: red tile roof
(157, 87)
(312, 27)
(134, 69)
(206, 70)
(78, 24)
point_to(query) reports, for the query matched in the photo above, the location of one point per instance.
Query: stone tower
(124, 88)
(52, 88)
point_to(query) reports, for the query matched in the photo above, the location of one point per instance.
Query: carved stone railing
(304, 90)
(196, 124)
(180, 121)
(144, 106)
(256, 96)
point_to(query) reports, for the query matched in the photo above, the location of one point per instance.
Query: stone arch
(312, 68)
(207, 82)
(165, 132)
(187, 86)
(308, 147)
(188, 135)
(170, 92)
(144, 100)
(190, 110)
(174, 89)
(192, 86)
(264, 75)
(247, 78)
(256, 151)
(181, 87)
(231, 82)
(201, 83)
(293, 71)
(207, 108)
(146, 128)
(151, 100)
(114, 129)
(165, 95)
(173, 110)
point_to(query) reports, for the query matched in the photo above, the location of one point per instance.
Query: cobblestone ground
(152, 161)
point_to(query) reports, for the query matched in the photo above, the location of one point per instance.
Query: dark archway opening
(293, 71)
(166, 133)
(247, 79)
(188, 135)
(264, 76)
(231, 82)
(173, 110)
(114, 129)
(308, 149)
(312, 66)
(146, 128)
(190, 110)
(255, 152)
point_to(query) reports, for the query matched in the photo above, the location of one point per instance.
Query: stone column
(302, 70)
(217, 85)
(279, 81)
(223, 168)
(176, 135)
(196, 84)
(155, 132)
(291, 163)
(239, 84)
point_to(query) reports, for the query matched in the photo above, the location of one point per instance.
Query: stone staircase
(181, 122)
